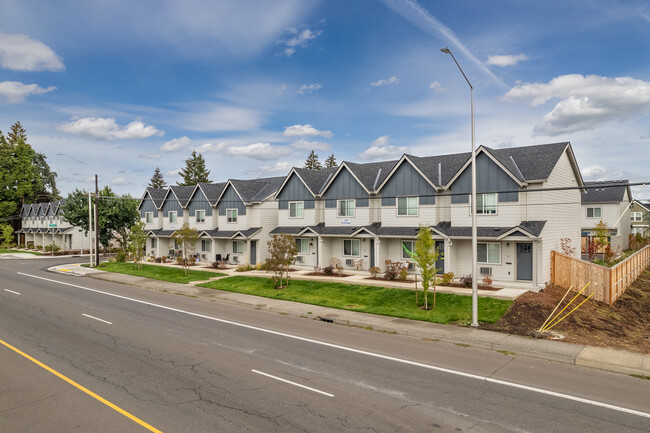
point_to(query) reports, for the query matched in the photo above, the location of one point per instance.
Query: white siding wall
(241, 223)
(508, 215)
(309, 218)
(426, 215)
(265, 216)
(361, 217)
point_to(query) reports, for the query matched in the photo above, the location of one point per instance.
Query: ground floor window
(153, 242)
(407, 245)
(489, 253)
(302, 244)
(238, 247)
(351, 247)
(206, 245)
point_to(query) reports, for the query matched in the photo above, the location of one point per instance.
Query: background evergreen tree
(312, 162)
(330, 161)
(157, 180)
(194, 171)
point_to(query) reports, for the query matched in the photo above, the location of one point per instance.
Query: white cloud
(383, 82)
(107, 129)
(211, 147)
(120, 181)
(304, 144)
(585, 102)
(259, 151)
(15, 91)
(506, 60)
(173, 173)
(282, 88)
(301, 37)
(382, 150)
(217, 118)
(175, 144)
(593, 171)
(305, 130)
(22, 53)
(311, 88)
(436, 87)
(282, 167)
(150, 156)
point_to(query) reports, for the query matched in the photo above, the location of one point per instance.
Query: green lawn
(163, 273)
(367, 299)
(6, 251)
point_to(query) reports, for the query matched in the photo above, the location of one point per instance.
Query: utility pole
(96, 222)
(90, 230)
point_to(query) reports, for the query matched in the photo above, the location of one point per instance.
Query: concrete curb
(616, 361)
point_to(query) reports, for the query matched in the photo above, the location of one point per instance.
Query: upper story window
(200, 216)
(148, 217)
(486, 204)
(636, 217)
(231, 215)
(594, 212)
(345, 208)
(351, 247)
(489, 253)
(407, 206)
(173, 216)
(303, 245)
(296, 209)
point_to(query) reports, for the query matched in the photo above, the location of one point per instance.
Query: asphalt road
(177, 364)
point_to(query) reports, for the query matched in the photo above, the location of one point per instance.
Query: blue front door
(525, 261)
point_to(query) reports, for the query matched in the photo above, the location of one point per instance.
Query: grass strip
(367, 299)
(162, 273)
(6, 251)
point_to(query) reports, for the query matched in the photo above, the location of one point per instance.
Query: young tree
(425, 256)
(137, 242)
(312, 162)
(194, 171)
(283, 251)
(157, 180)
(7, 234)
(330, 161)
(186, 237)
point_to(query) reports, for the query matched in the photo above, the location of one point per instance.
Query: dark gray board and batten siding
(489, 177)
(345, 186)
(199, 202)
(407, 182)
(295, 190)
(230, 200)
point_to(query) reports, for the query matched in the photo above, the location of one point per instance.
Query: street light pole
(473, 199)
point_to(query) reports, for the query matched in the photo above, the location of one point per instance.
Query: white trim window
(302, 244)
(206, 245)
(296, 209)
(231, 215)
(153, 243)
(594, 212)
(489, 253)
(200, 215)
(637, 231)
(486, 204)
(345, 208)
(351, 247)
(407, 206)
(173, 216)
(148, 217)
(410, 245)
(636, 217)
(238, 247)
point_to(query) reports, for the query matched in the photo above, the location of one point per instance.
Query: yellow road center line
(82, 388)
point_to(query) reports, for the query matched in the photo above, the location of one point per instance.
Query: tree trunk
(426, 295)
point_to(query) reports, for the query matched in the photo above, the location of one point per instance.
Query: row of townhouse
(640, 218)
(365, 214)
(608, 202)
(43, 224)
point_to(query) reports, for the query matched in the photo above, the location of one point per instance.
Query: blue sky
(255, 85)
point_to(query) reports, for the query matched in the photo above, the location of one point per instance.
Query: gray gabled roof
(607, 191)
(371, 174)
(442, 168)
(183, 193)
(212, 191)
(256, 190)
(157, 195)
(315, 180)
(530, 162)
(533, 227)
(645, 206)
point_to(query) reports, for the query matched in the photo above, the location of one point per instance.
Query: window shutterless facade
(238, 247)
(173, 216)
(296, 209)
(636, 216)
(407, 206)
(489, 253)
(594, 212)
(206, 245)
(200, 216)
(231, 215)
(345, 208)
(486, 204)
(351, 247)
(303, 245)
(410, 245)
(148, 217)
(153, 242)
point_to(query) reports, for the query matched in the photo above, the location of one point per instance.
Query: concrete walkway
(600, 358)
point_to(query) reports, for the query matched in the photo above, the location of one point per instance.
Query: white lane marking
(96, 318)
(11, 291)
(293, 383)
(363, 352)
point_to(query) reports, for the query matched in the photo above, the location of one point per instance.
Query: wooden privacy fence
(607, 284)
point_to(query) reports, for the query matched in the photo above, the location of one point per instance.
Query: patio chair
(227, 258)
(336, 263)
(358, 264)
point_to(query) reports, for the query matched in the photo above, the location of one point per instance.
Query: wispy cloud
(436, 86)
(15, 91)
(22, 53)
(506, 60)
(417, 15)
(382, 149)
(107, 129)
(259, 151)
(176, 144)
(282, 167)
(383, 82)
(309, 88)
(120, 181)
(208, 117)
(300, 37)
(304, 144)
(150, 156)
(305, 130)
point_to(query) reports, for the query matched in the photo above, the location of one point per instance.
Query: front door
(440, 263)
(525, 261)
(253, 260)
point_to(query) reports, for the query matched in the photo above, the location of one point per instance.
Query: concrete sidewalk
(600, 358)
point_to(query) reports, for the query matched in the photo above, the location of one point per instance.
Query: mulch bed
(322, 274)
(397, 280)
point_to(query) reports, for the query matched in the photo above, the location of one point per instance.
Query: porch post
(319, 253)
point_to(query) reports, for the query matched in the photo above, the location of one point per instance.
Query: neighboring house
(44, 224)
(607, 201)
(640, 218)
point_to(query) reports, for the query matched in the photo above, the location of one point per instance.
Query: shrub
(391, 273)
(21, 246)
(120, 257)
(403, 274)
(467, 280)
(244, 267)
(374, 271)
(52, 248)
(567, 247)
(487, 280)
(328, 270)
(38, 247)
(446, 278)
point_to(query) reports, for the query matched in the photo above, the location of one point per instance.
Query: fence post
(553, 267)
(611, 286)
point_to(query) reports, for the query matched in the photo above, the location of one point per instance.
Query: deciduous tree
(283, 251)
(425, 256)
(186, 237)
(137, 242)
